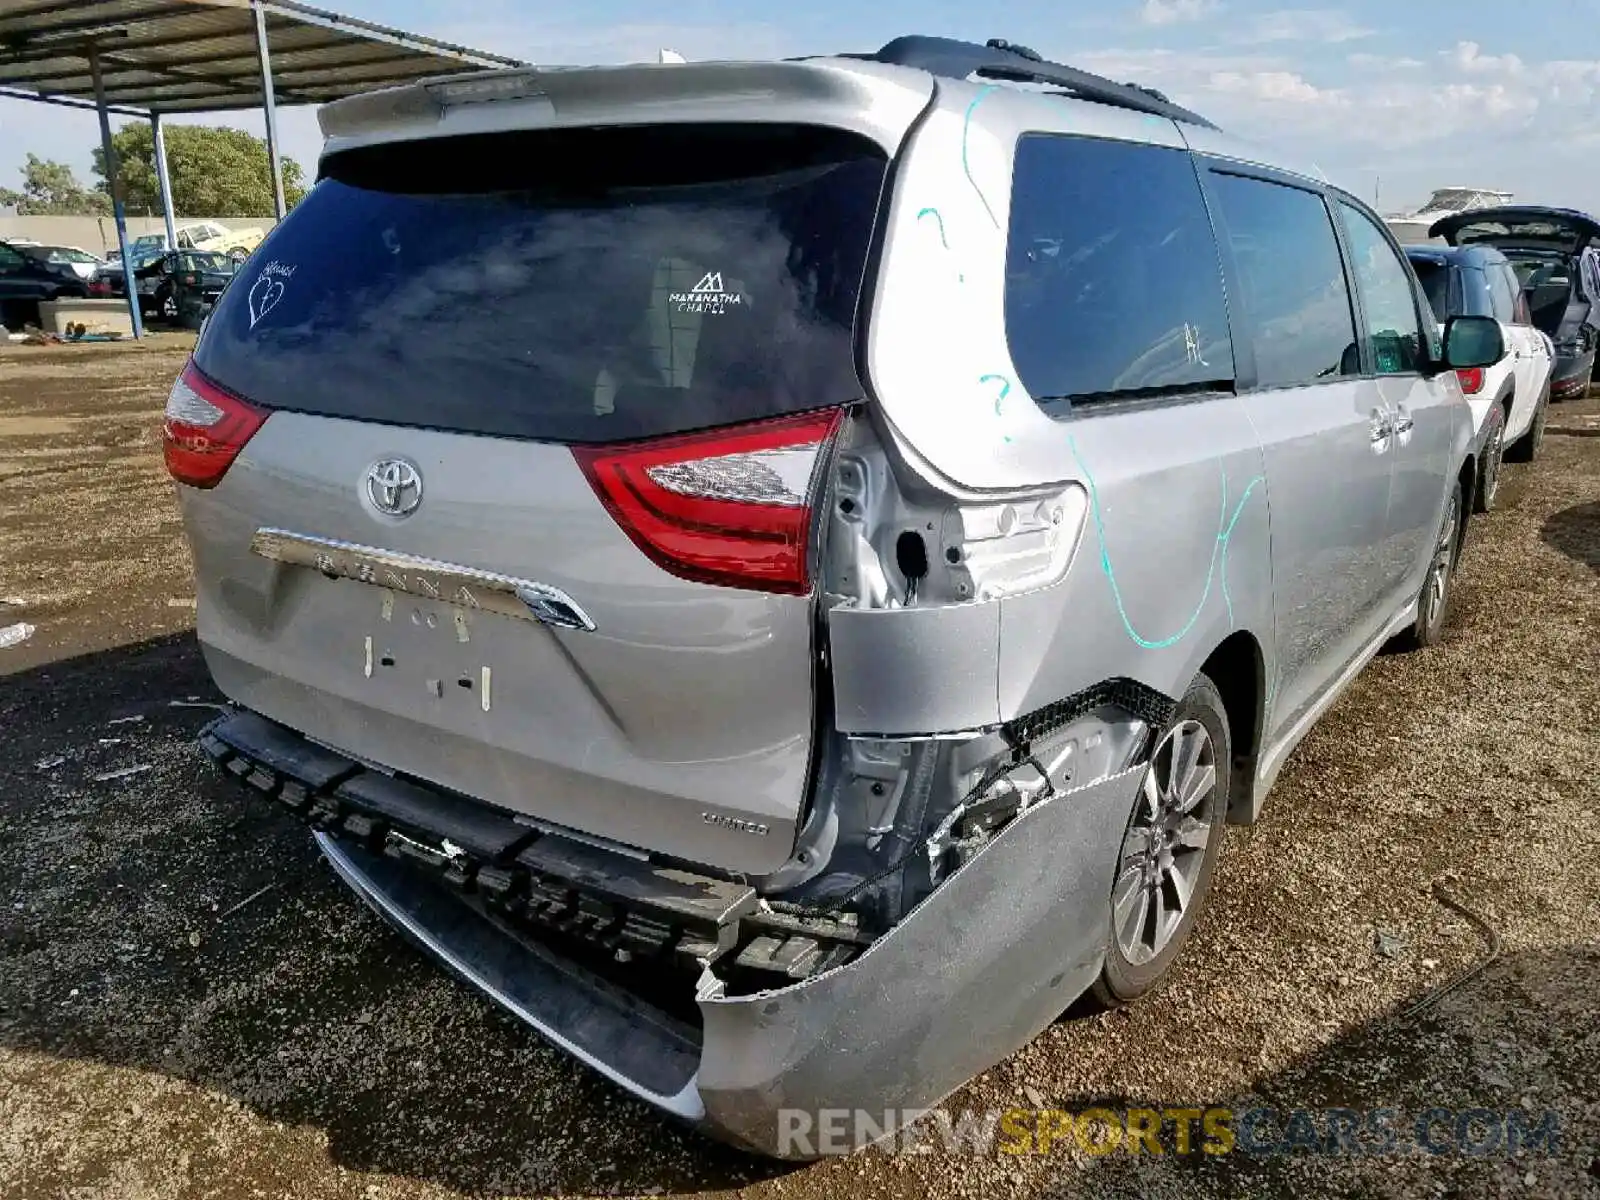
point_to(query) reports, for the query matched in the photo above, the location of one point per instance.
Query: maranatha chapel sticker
(707, 296)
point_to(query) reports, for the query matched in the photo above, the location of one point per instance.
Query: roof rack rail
(999, 59)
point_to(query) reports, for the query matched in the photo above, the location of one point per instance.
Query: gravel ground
(168, 1029)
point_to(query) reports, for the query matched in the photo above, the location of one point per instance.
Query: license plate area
(427, 651)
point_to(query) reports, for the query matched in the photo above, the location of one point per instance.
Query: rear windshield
(576, 286)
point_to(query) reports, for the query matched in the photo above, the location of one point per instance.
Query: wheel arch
(1238, 669)
(1467, 476)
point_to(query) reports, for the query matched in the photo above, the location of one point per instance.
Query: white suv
(1508, 399)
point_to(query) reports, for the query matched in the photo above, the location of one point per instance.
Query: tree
(49, 189)
(216, 171)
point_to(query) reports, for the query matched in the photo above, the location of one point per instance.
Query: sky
(1390, 98)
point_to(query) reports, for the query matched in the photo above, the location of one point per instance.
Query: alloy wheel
(1163, 851)
(1493, 455)
(1438, 589)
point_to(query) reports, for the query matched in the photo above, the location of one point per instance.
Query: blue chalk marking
(1227, 534)
(1005, 390)
(934, 213)
(966, 125)
(1219, 550)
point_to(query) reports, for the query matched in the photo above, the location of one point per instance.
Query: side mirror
(1472, 342)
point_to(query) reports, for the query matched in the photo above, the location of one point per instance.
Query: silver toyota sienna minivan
(778, 572)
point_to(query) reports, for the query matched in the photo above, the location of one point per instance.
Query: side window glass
(1105, 297)
(1385, 285)
(1521, 314)
(1502, 296)
(1295, 299)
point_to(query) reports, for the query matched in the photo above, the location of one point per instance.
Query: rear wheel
(1169, 849)
(1433, 605)
(1526, 447)
(1494, 448)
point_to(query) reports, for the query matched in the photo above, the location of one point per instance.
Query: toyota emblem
(394, 487)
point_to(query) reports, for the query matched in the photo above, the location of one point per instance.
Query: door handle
(1381, 428)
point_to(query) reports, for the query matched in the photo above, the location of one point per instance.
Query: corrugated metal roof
(174, 56)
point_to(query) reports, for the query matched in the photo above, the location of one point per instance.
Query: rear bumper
(1569, 377)
(971, 974)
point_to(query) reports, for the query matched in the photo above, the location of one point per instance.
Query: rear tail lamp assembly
(730, 506)
(204, 428)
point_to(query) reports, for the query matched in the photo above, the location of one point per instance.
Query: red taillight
(99, 288)
(732, 506)
(1471, 379)
(204, 430)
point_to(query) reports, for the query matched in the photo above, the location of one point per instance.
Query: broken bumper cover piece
(974, 972)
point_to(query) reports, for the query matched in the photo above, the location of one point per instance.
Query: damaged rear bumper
(972, 973)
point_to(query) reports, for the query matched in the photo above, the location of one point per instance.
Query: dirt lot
(159, 1040)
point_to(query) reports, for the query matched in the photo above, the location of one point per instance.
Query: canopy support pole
(115, 184)
(269, 105)
(164, 180)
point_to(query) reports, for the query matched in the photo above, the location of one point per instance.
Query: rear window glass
(1113, 285)
(577, 286)
(1435, 279)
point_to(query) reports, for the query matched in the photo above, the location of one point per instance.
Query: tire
(1433, 602)
(1138, 957)
(1494, 449)
(1526, 448)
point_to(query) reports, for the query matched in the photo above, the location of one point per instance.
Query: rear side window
(1502, 293)
(584, 286)
(1477, 293)
(1435, 278)
(1295, 299)
(1113, 286)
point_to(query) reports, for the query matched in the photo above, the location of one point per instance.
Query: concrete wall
(99, 234)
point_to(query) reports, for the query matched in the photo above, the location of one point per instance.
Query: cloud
(1175, 12)
(556, 42)
(1382, 62)
(1282, 86)
(1302, 25)
(1468, 58)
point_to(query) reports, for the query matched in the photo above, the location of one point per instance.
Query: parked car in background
(26, 282)
(782, 709)
(189, 282)
(1509, 398)
(172, 281)
(84, 265)
(204, 235)
(1555, 254)
(113, 275)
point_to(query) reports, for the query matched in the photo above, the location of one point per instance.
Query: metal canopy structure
(150, 58)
